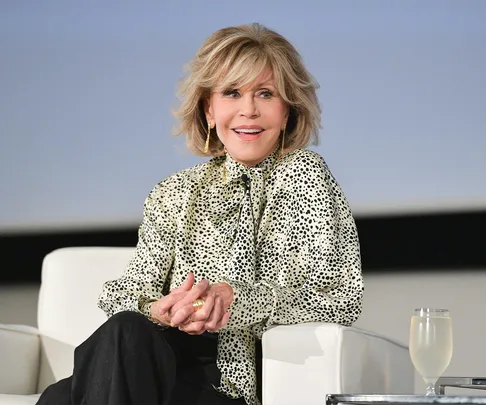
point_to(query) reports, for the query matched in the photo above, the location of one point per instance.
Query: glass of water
(430, 344)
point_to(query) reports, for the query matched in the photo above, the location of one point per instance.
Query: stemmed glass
(430, 344)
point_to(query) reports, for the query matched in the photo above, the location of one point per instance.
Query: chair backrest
(67, 310)
(71, 282)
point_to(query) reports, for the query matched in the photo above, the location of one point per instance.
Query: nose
(248, 106)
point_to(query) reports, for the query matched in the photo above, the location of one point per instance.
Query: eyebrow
(266, 83)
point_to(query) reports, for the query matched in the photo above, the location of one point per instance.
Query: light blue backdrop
(86, 90)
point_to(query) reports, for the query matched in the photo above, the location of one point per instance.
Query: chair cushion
(19, 354)
(6, 399)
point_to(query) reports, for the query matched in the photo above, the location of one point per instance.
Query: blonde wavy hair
(234, 57)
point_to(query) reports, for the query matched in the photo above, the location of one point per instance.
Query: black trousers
(131, 361)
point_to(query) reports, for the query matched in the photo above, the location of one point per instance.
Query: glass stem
(430, 389)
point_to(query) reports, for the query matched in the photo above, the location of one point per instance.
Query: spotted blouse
(280, 233)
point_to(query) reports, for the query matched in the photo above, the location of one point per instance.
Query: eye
(266, 94)
(232, 93)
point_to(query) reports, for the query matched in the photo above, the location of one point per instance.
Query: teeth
(248, 131)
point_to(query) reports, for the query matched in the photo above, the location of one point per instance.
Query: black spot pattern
(288, 246)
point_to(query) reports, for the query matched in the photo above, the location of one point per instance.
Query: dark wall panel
(390, 243)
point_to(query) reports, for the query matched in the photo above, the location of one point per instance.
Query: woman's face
(248, 120)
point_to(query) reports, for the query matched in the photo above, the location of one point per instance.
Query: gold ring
(197, 304)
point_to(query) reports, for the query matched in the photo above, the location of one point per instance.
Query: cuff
(251, 304)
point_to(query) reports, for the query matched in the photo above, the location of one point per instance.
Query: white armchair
(301, 363)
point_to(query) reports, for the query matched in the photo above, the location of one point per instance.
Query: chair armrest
(302, 363)
(20, 354)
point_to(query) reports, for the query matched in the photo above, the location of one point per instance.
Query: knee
(121, 319)
(127, 323)
(124, 329)
(126, 319)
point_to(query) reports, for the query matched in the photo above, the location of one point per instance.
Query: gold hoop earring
(206, 146)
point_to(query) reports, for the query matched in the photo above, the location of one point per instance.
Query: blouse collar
(235, 169)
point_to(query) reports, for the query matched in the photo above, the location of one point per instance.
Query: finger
(170, 304)
(215, 316)
(196, 292)
(191, 330)
(187, 321)
(182, 297)
(167, 302)
(180, 315)
(187, 284)
(224, 320)
(205, 311)
(194, 328)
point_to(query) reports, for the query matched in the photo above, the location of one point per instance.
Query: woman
(259, 235)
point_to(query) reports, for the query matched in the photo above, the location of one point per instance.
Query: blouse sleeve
(331, 287)
(146, 273)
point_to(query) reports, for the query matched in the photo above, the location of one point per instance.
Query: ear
(208, 111)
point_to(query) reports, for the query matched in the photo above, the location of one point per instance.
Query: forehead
(264, 78)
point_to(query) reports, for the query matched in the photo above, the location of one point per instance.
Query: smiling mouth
(248, 131)
(248, 135)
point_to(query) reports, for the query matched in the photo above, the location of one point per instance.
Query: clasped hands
(176, 309)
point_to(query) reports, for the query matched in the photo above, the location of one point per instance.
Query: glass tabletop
(376, 399)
